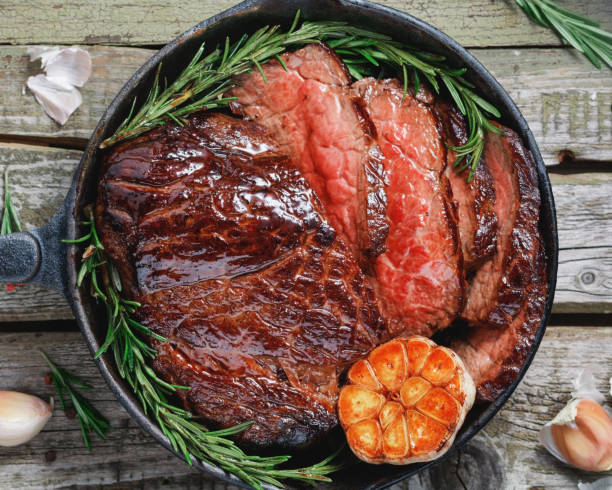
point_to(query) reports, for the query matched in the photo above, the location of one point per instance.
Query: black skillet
(40, 256)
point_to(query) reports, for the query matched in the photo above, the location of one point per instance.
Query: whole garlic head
(21, 417)
(580, 435)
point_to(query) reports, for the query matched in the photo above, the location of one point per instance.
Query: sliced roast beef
(507, 296)
(309, 110)
(475, 199)
(419, 279)
(494, 356)
(497, 290)
(225, 245)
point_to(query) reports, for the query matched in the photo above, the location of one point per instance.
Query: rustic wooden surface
(583, 205)
(154, 22)
(567, 103)
(57, 458)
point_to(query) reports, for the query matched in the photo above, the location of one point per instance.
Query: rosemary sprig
(582, 33)
(132, 354)
(364, 56)
(10, 220)
(203, 82)
(90, 419)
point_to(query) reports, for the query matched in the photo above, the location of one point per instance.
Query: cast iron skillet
(40, 256)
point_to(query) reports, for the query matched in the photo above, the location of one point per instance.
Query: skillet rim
(81, 302)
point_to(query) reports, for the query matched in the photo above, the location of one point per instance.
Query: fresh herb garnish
(10, 220)
(582, 33)
(132, 354)
(202, 83)
(362, 54)
(90, 419)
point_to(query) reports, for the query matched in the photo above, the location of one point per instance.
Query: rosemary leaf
(202, 83)
(10, 220)
(579, 31)
(131, 354)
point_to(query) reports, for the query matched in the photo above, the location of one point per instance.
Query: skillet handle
(36, 256)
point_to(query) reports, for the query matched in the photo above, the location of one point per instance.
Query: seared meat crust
(226, 247)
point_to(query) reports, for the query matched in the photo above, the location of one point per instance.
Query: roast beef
(419, 279)
(507, 295)
(475, 199)
(497, 290)
(307, 106)
(226, 246)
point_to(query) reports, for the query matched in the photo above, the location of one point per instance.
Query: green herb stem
(206, 78)
(10, 220)
(582, 33)
(132, 356)
(90, 419)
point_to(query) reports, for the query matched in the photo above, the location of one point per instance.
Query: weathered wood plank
(20, 114)
(508, 445)
(36, 200)
(584, 211)
(566, 101)
(475, 23)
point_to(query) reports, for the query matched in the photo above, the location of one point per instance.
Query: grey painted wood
(505, 456)
(566, 101)
(583, 202)
(141, 22)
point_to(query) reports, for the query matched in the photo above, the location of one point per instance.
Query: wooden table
(566, 102)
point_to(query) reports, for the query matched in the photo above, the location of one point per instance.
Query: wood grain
(20, 114)
(474, 23)
(584, 211)
(131, 459)
(36, 200)
(566, 101)
(584, 215)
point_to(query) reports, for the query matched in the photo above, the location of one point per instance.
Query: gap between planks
(507, 447)
(565, 100)
(584, 212)
(155, 22)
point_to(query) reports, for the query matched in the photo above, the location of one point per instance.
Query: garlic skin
(585, 385)
(68, 67)
(58, 101)
(580, 435)
(21, 417)
(65, 69)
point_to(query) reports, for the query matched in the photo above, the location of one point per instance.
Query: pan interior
(247, 17)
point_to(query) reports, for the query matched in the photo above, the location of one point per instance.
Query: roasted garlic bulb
(405, 402)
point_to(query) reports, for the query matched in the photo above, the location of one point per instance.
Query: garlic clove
(21, 417)
(69, 67)
(65, 69)
(580, 435)
(58, 101)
